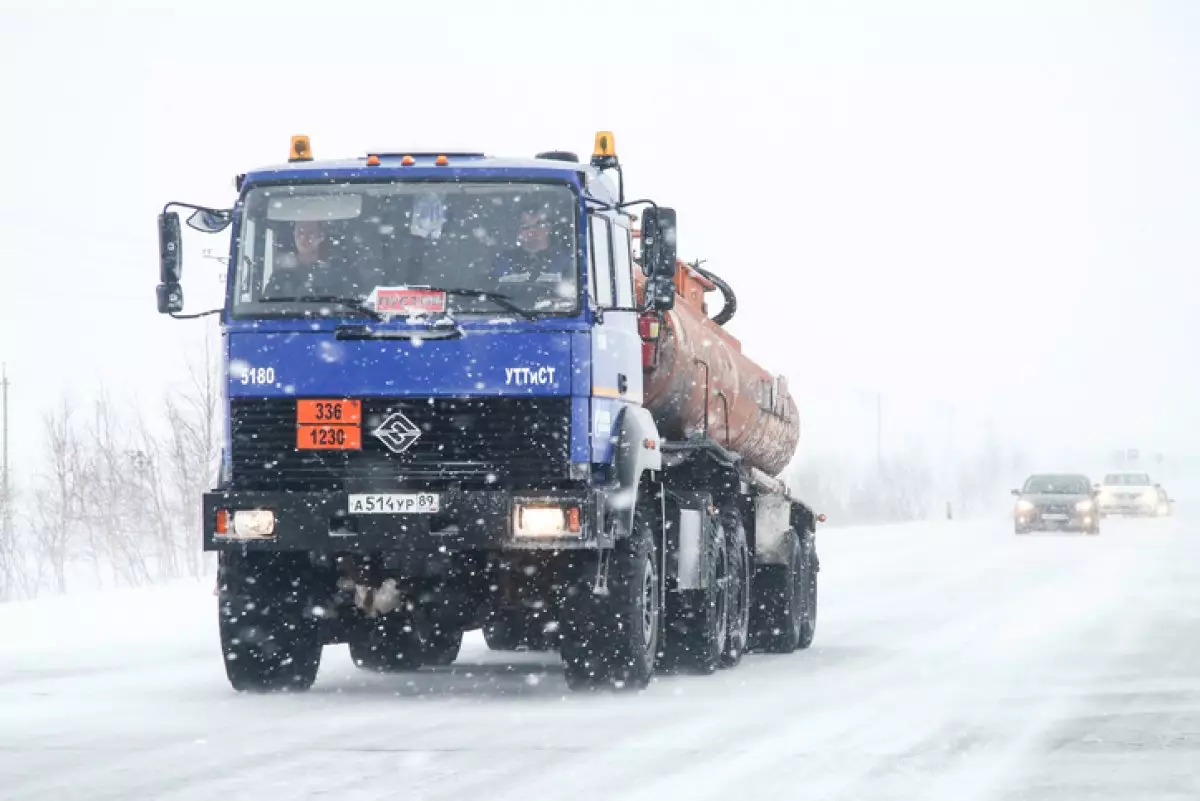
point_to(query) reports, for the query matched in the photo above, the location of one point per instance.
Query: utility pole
(4, 412)
(6, 486)
(879, 431)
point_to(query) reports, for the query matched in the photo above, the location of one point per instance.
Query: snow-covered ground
(953, 661)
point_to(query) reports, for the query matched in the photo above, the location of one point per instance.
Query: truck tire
(270, 638)
(698, 625)
(393, 644)
(387, 644)
(442, 648)
(785, 603)
(614, 638)
(512, 633)
(737, 638)
(809, 574)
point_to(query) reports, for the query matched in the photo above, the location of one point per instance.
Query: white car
(1130, 494)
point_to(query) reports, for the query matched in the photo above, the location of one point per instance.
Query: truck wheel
(511, 633)
(614, 638)
(808, 587)
(698, 631)
(781, 603)
(741, 569)
(387, 644)
(442, 647)
(392, 644)
(269, 636)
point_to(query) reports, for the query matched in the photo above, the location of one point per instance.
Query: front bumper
(1039, 521)
(1131, 509)
(468, 520)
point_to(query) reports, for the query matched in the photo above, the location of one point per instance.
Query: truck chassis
(699, 561)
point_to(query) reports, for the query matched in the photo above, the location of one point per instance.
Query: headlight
(546, 520)
(246, 524)
(1084, 506)
(1024, 506)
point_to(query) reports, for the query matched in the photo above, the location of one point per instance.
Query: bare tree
(10, 551)
(115, 517)
(192, 453)
(58, 495)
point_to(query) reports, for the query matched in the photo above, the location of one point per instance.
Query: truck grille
(506, 442)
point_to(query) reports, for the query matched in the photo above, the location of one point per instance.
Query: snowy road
(952, 662)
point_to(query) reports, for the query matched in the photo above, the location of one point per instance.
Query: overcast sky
(984, 207)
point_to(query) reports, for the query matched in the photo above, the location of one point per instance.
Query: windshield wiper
(497, 298)
(503, 301)
(349, 303)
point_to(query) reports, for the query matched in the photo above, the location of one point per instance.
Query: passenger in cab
(542, 254)
(305, 271)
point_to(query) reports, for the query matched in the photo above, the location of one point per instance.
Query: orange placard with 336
(329, 412)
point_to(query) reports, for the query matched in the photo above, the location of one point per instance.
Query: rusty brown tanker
(699, 383)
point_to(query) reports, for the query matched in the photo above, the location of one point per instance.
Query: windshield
(1057, 485)
(303, 247)
(1127, 480)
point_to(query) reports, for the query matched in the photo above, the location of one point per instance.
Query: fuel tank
(698, 382)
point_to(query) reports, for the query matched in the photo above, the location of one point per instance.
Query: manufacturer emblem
(397, 432)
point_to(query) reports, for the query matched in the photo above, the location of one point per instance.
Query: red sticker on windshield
(409, 301)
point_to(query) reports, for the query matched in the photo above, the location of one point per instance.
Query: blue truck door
(616, 346)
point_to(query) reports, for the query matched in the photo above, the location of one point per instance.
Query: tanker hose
(730, 307)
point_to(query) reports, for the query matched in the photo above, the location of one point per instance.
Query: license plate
(1055, 517)
(394, 503)
(404, 301)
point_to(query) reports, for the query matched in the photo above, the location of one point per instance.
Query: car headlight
(245, 524)
(1024, 506)
(1085, 506)
(539, 519)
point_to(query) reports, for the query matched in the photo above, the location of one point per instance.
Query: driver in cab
(541, 256)
(305, 272)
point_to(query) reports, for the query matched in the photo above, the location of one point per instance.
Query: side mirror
(1016, 492)
(660, 294)
(658, 257)
(170, 249)
(170, 264)
(658, 243)
(170, 298)
(209, 221)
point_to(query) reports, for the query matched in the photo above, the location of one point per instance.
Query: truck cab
(434, 408)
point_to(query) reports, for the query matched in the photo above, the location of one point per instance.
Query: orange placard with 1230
(329, 425)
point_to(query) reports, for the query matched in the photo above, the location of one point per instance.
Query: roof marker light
(407, 161)
(441, 161)
(606, 145)
(372, 161)
(301, 149)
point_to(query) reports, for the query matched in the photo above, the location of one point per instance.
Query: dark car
(1056, 502)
